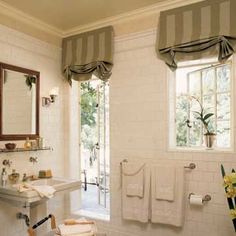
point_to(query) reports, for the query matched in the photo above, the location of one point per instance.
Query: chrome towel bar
(191, 165)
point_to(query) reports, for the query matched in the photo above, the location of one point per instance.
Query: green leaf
(222, 171)
(208, 116)
(197, 113)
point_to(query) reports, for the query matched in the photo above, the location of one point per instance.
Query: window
(210, 85)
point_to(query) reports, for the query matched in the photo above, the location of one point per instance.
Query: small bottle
(4, 177)
(27, 144)
(40, 142)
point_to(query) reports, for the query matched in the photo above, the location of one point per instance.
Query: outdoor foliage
(208, 110)
(88, 105)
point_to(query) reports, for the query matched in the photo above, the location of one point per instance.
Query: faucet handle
(7, 163)
(33, 159)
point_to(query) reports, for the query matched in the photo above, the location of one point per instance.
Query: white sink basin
(60, 184)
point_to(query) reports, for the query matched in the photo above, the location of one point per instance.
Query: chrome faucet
(26, 178)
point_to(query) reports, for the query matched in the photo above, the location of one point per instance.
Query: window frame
(171, 124)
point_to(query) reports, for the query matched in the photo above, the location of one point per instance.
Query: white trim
(12, 12)
(136, 35)
(201, 150)
(171, 119)
(155, 8)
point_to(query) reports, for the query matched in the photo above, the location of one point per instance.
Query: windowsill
(201, 150)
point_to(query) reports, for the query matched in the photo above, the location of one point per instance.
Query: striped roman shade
(88, 53)
(202, 29)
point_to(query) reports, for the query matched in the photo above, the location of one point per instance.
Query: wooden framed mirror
(19, 103)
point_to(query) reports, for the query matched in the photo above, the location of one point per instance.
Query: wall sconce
(46, 101)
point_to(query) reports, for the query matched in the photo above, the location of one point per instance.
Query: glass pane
(208, 102)
(223, 78)
(223, 134)
(223, 106)
(208, 81)
(195, 134)
(194, 104)
(181, 128)
(195, 83)
(182, 103)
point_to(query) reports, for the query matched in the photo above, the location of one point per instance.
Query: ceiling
(67, 14)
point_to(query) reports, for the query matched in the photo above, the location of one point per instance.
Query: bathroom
(140, 117)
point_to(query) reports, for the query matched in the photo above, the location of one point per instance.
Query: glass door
(103, 144)
(94, 151)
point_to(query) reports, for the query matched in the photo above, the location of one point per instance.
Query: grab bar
(53, 224)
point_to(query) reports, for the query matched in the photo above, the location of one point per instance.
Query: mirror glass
(19, 103)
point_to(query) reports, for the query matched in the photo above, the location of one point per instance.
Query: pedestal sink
(11, 193)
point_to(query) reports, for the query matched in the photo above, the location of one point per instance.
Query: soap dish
(45, 174)
(10, 146)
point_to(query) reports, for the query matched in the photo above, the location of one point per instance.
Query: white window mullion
(211, 99)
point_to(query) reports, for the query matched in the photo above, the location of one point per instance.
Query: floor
(90, 206)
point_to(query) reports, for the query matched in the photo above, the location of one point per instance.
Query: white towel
(83, 234)
(134, 178)
(42, 190)
(77, 229)
(74, 229)
(169, 212)
(135, 207)
(165, 182)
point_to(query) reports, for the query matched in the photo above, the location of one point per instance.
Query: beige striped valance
(88, 53)
(203, 29)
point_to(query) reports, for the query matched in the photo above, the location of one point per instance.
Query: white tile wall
(138, 96)
(139, 128)
(22, 50)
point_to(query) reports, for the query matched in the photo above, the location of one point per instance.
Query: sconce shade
(54, 91)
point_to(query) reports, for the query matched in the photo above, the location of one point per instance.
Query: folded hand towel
(79, 229)
(165, 182)
(169, 212)
(135, 207)
(42, 190)
(21, 187)
(57, 233)
(134, 178)
(74, 229)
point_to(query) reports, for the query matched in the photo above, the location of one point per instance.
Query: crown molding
(20, 16)
(155, 8)
(136, 35)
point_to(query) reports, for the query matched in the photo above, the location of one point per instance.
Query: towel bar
(191, 166)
